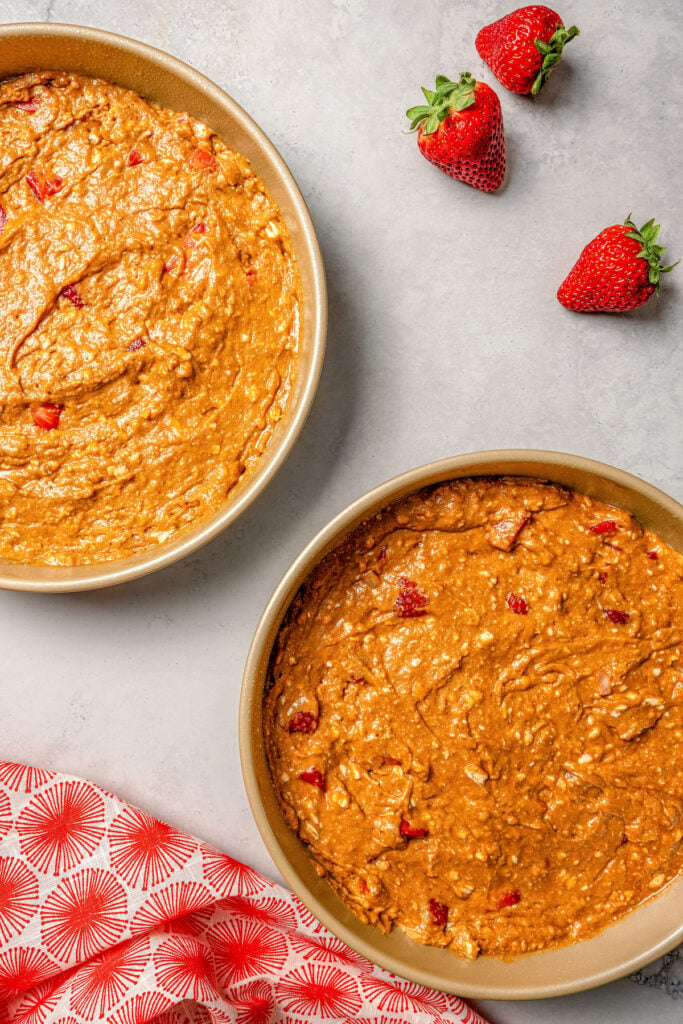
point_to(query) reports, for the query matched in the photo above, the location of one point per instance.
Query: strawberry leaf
(650, 251)
(449, 97)
(551, 53)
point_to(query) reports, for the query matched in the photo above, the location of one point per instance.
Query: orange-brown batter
(149, 320)
(475, 714)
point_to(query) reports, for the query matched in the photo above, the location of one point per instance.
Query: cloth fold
(108, 914)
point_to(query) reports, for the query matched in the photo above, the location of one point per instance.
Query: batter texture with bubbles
(474, 716)
(150, 319)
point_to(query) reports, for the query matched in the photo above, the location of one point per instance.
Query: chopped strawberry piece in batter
(407, 830)
(136, 345)
(303, 721)
(72, 294)
(603, 577)
(616, 616)
(175, 266)
(606, 526)
(504, 533)
(3, 217)
(509, 899)
(41, 186)
(202, 160)
(134, 158)
(410, 602)
(46, 416)
(315, 778)
(193, 235)
(517, 604)
(439, 912)
(650, 554)
(28, 105)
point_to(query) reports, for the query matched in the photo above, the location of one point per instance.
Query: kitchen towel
(108, 914)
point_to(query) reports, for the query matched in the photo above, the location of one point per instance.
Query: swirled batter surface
(149, 320)
(475, 715)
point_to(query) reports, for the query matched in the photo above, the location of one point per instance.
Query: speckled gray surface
(445, 337)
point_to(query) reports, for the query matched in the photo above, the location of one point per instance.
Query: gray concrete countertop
(445, 336)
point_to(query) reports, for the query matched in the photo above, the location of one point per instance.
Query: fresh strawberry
(523, 47)
(618, 270)
(460, 130)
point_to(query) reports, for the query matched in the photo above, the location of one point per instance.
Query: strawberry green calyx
(448, 96)
(647, 236)
(551, 53)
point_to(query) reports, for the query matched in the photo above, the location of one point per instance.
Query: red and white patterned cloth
(107, 914)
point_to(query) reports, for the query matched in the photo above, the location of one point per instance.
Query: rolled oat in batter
(475, 715)
(149, 320)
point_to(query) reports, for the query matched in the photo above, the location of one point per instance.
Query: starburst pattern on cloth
(18, 896)
(108, 916)
(146, 851)
(61, 826)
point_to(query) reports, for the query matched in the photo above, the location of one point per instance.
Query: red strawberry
(460, 130)
(523, 47)
(618, 270)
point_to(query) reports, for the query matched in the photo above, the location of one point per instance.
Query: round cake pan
(648, 932)
(165, 80)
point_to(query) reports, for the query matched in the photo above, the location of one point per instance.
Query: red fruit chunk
(29, 105)
(654, 555)
(136, 345)
(315, 778)
(71, 293)
(619, 270)
(410, 603)
(606, 526)
(381, 557)
(3, 217)
(509, 899)
(192, 237)
(202, 160)
(175, 266)
(46, 416)
(41, 186)
(407, 830)
(616, 616)
(504, 533)
(523, 47)
(517, 604)
(134, 158)
(439, 912)
(603, 577)
(303, 721)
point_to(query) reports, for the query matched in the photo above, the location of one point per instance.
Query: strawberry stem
(552, 54)
(647, 236)
(447, 97)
